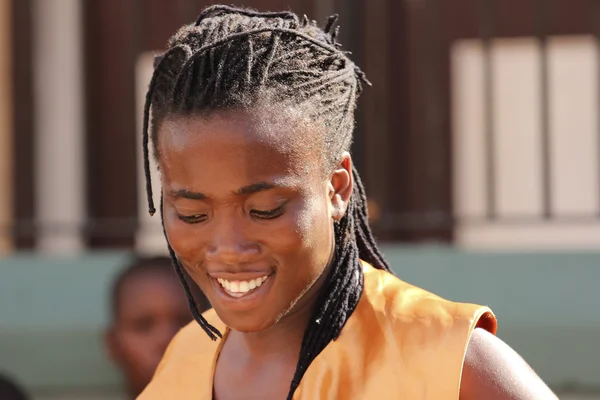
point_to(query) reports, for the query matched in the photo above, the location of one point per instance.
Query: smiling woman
(239, 207)
(252, 121)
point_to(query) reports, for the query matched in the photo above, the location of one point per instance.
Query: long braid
(338, 298)
(233, 58)
(210, 330)
(367, 246)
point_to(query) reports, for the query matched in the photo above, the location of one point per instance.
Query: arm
(494, 371)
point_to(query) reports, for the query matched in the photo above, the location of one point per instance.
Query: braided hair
(236, 58)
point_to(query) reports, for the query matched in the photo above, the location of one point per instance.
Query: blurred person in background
(252, 121)
(9, 390)
(148, 308)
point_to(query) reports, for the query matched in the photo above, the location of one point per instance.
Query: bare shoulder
(493, 370)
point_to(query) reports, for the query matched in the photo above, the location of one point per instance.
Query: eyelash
(192, 219)
(272, 214)
(264, 215)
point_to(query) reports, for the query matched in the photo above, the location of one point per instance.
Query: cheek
(136, 350)
(310, 236)
(314, 223)
(183, 238)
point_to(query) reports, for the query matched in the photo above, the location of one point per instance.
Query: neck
(284, 339)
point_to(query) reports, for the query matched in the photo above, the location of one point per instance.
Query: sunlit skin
(245, 198)
(151, 310)
(238, 204)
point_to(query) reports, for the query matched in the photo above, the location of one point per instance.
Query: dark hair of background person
(9, 390)
(141, 264)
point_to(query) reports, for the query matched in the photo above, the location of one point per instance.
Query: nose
(230, 243)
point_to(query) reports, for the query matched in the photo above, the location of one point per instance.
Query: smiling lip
(241, 288)
(241, 291)
(239, 276)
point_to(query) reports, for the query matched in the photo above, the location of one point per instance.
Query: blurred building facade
(481, 113)
(481, 133)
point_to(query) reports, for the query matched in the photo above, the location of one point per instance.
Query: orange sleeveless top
(401, 342)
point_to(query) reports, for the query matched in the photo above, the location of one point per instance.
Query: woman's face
(249, 211)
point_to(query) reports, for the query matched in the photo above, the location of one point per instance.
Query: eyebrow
(255, 188)
(186, 194)
(243, 191)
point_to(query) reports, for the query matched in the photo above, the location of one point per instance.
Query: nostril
(232, 254)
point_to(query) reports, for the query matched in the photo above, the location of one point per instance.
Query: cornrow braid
(233, 58)
(221, 9)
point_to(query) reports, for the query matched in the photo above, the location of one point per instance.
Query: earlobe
(336, 203)
(340, 187)
(110, 345)
(338, 207)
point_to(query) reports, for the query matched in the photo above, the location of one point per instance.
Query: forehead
(283, 127)
(144, 285)
(253, 143)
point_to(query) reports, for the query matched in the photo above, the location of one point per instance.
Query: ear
(111, 345)
(340, 187)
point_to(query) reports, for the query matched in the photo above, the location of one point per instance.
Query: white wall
(573, 126)
(149, 238)
(59, 124)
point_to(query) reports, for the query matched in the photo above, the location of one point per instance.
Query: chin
(249, 323)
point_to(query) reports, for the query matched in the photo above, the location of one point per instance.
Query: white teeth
(241, 288)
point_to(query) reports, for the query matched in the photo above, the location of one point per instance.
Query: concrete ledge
(50, 361)
(52, 311)
(547, 304)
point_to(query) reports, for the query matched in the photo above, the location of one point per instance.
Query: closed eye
(192, 219)
(271, 214)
